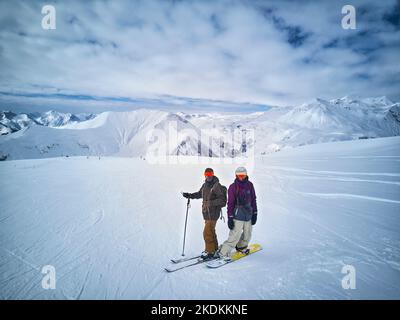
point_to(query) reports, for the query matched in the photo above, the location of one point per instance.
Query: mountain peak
(382, 101)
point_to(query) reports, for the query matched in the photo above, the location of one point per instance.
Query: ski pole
(184, 234)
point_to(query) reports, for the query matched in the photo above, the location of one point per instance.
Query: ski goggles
(208, 174)
(241, 175)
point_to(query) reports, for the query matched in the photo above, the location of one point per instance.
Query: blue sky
(221, 54)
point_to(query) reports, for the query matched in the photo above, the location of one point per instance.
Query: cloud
(275, 52)
(75, 103)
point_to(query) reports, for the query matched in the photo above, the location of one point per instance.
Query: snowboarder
(242, 214)
(214, 198)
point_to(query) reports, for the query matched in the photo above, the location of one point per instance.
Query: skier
(242, 214)
(214, 198)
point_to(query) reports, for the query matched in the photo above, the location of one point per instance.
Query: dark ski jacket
(213, 198)
(242, 202)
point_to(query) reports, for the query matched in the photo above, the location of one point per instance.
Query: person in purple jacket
(242, 214)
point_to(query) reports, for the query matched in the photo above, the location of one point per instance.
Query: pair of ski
(184, 262)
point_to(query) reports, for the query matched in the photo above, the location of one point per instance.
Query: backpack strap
(221, 215)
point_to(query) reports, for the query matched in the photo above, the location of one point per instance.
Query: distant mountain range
(53, 134)
(11, 122)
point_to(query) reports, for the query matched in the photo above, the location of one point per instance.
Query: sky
(220, 54)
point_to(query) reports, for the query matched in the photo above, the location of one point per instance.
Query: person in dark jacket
(242, 213)
(214, 198)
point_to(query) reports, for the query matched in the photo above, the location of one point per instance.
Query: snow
(109, 226)
(127, 133)
(109, 134)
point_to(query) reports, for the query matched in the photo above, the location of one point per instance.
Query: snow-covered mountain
(110, 133)
(335, 120)
(58, 119)
(314, 122)
(132, 133)
(11, 122)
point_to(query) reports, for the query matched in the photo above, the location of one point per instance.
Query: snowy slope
(109, 226)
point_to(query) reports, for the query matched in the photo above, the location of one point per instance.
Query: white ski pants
(239, 236)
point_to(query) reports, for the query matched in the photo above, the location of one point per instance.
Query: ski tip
(214, 266)
(210, 266)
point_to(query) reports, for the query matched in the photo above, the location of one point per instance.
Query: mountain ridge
(131, 133)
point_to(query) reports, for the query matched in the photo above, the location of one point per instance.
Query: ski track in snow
(110, 234)
(327, 177)
(347, 195)
(388, 174)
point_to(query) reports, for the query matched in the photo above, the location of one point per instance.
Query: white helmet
(241, 170)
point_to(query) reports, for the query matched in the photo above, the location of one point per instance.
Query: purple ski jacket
(241, 192)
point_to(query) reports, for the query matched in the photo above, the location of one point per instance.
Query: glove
(186, 195)
(231, 223)
(254, 219)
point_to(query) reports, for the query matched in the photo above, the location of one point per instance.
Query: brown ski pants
(210, 237)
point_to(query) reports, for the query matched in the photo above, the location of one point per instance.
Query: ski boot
(207, 256)
(244, 250)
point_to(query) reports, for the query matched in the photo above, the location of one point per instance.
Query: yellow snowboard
(253, 248)
(235, 256)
